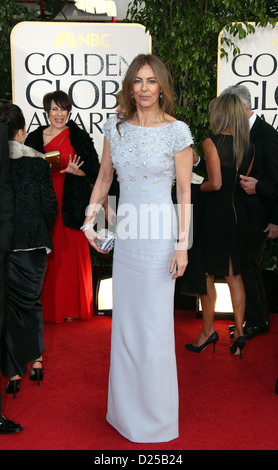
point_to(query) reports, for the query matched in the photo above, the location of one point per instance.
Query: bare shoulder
(208, 146)
(169, 118)
(207, 142)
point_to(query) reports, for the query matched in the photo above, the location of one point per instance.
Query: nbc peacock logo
(90, 39)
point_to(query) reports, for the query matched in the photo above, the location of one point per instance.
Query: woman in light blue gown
(148, 148)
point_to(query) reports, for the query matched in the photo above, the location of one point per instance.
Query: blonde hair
(227, 112)
(164, 79)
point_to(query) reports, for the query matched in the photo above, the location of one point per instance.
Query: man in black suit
(261, 186)
(6, 227)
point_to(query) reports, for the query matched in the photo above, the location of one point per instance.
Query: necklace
(152, 120)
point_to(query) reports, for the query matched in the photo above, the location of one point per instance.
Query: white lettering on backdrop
(256, 67)
(86, 60)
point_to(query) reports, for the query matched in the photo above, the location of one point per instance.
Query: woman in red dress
(67, 290)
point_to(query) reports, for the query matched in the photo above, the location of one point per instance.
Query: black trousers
(2, 303)
(22, 335)
(257, 310)
(2, 290)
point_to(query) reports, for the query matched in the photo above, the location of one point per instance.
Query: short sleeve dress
(143, 389)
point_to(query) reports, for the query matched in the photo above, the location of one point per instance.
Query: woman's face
(146, 88)
(57, 116)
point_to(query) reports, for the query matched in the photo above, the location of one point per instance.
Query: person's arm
(183, 164)
(99, 194)
(214, 181)
(267, 189)
(196, 159)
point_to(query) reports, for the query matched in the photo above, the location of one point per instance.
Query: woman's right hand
(74, 166)
(92, 235)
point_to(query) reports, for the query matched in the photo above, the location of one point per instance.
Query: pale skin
(58, 119)
(235, 283)
(146, 90)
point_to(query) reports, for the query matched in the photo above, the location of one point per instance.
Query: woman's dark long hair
(12, 116)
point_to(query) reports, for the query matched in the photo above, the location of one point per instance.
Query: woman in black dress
(35, 213)
(227, 154)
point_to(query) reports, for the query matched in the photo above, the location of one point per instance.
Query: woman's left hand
(179, 260)
(74, 166)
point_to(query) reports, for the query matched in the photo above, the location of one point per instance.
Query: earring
(160, 95)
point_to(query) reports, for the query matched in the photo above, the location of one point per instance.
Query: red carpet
(225, 403)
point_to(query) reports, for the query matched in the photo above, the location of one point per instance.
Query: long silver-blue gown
(143, 387)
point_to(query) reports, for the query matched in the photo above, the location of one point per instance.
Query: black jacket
(262, 208)
(6, 193)
(35, 201)
(77, 189)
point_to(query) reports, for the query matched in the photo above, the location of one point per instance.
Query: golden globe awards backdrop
(256, 66)
(86, 60)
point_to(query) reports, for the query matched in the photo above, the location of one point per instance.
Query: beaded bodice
(144, 156)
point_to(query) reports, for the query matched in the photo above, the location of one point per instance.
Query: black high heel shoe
(36, 373)
(239, 343)
(13, 387)
(212, 339)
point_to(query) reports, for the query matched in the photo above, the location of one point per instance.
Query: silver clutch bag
(108, 240)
